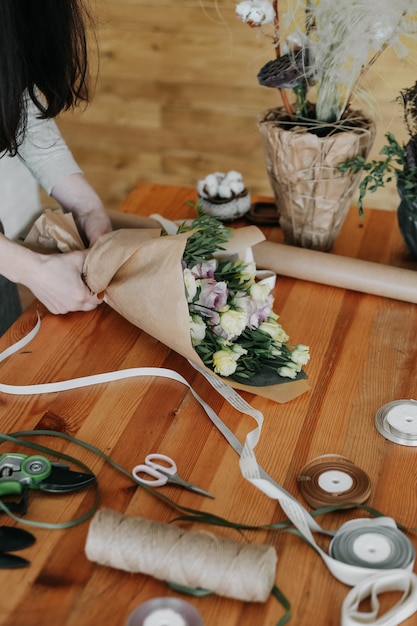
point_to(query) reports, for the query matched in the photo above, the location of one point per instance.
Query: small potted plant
(399, 165)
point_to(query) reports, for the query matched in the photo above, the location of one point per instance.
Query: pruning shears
(19, 473)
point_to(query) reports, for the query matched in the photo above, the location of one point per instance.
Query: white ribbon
(397, 580)
(303, 521)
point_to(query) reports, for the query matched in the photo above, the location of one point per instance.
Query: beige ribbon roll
(330, 269)
(333, 480)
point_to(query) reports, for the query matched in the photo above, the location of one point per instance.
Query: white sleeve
(44, 151)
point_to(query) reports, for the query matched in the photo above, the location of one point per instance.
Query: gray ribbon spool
(376, 546)
(164, 612)
(397, 421)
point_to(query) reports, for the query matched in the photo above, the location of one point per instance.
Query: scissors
(163, 474)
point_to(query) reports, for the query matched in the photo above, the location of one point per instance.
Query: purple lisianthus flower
(210, 314)
(257, 311)
(213, 294)
(205, 269)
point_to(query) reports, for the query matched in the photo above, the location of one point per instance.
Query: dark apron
(10, 307)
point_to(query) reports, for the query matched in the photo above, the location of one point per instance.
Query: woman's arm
(75, 194)
(56, 279)
(45, 153)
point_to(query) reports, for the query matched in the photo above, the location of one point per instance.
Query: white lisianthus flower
(260, 292)
(224, 362)
(275, 330)
(197, 329)
(233, 323)
(300, 355)
(275, 351)
(249, 273)
(238, 351)
(288, 371)
(191, 284)
(256, 12)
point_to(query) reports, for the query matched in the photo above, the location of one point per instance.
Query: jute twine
(243, 571)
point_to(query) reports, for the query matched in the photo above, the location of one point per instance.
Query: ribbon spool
(165, 612)
(376, 544)
(397, 421)
(202, 560)
(332, 479)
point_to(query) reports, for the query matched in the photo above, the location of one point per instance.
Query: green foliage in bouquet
(233, 327)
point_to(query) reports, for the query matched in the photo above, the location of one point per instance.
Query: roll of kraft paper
(338, 271)
(242, 571)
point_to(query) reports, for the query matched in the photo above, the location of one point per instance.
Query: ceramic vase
(407, 220)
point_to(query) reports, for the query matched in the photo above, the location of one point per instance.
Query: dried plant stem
(276, 29)
(286, 102)
(282, 92)
(365, 70)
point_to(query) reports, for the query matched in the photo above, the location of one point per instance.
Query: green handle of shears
(10, 488)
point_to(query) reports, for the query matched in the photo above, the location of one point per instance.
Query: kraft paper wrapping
(311, 194)
(140, 276)
(54, 231)
(337, 271)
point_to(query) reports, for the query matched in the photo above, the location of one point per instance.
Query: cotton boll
(212, 185)
(243, 9)
(201, 187)
(207, 187)
(212, 179)
(233, 175)
(257, 12)
(237, 186)
(256, 16)
(224, 190)
(221, 185)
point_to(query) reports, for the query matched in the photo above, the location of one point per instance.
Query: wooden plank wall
(177, 97)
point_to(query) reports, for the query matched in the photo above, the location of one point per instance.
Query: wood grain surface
(177, 97)
(363, 351)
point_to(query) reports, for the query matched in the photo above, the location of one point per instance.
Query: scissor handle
(158, 481)
(170, 468)
(158, 471)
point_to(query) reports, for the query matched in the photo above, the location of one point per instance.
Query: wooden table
(364, 353)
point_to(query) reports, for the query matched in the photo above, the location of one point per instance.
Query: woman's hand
(56, 280)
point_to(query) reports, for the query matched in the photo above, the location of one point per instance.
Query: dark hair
(43, 48)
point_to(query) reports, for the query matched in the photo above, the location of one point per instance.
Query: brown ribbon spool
(333, 480)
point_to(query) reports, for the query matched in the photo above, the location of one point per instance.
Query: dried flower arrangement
(331, 51)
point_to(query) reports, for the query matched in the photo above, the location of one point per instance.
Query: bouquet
(233, 327)
(193, 292)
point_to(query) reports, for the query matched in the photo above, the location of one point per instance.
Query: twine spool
(332, 479)
(243, 571)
